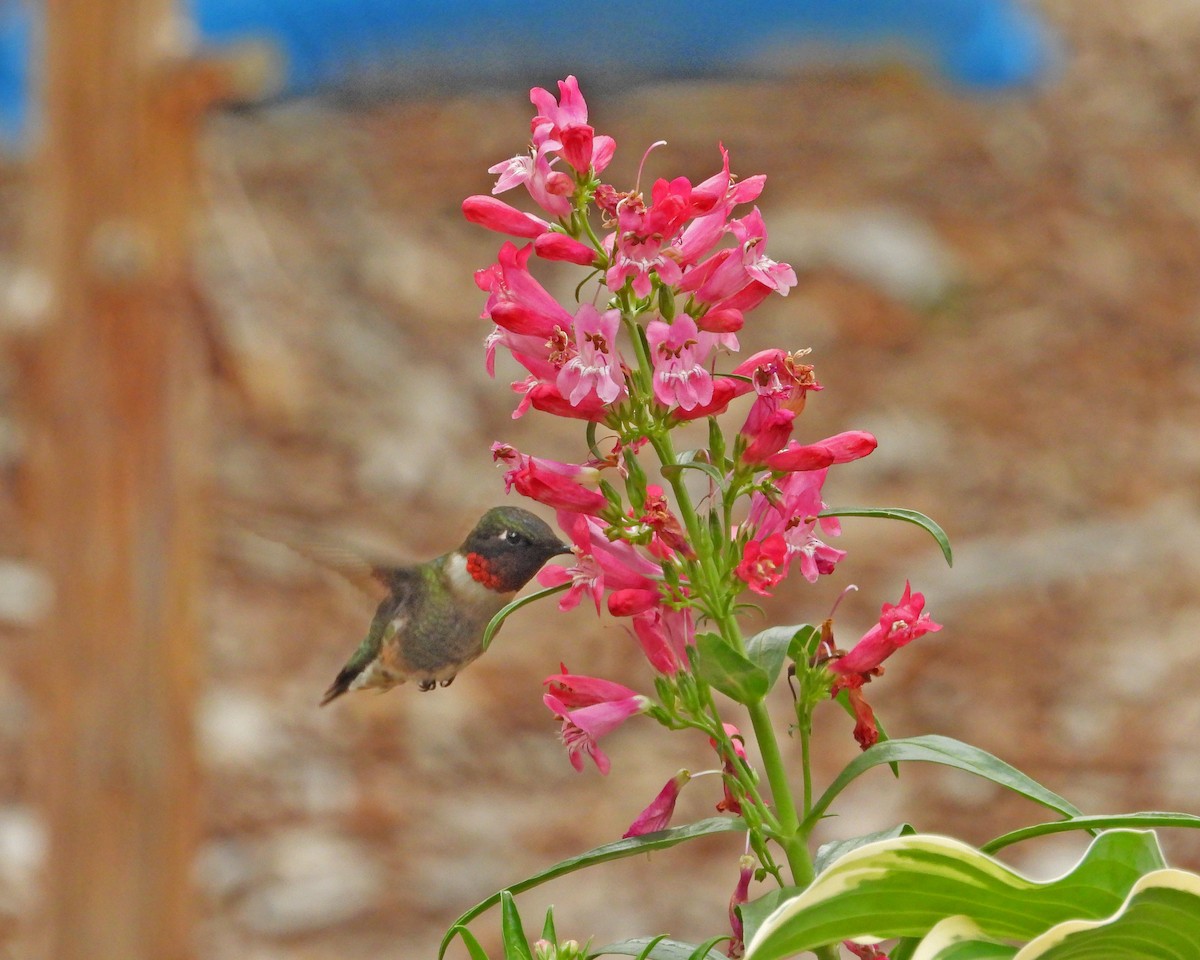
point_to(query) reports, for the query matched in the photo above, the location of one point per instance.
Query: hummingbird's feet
(425, 685)
(446, 683)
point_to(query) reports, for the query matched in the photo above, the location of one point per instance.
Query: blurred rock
(318, 879)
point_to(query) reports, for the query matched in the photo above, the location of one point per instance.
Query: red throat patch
(480, 571)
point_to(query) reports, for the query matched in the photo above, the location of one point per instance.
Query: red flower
(764, 563)
(657, 816)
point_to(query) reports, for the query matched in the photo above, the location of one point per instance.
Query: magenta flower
(499, 216)
(840, 448)
(669, 535)
(767, 433)
(604, 707)
(549, 481)
(664, 635)
(729, 803)
(516, 301)
(602, 564)
(864, 951)
(545, 396)
(657, 816)
(741, 893)
(752, 235)
(795, 516)
(553, 245)
(678, 355)
(565, 121)
(899, 624)
(596, 369)
(764, 563)
(725, 389)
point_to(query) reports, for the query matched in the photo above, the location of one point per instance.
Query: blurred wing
(256, 534)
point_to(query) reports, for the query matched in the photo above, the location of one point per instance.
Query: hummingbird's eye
(514, 537)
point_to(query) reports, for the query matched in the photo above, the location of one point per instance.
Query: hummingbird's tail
(339, 686)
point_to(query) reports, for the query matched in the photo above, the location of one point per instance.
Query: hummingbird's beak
(562, 549)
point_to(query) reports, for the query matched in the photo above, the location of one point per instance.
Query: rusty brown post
(118, 400)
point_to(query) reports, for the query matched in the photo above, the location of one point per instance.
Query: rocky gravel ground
(1006, 291)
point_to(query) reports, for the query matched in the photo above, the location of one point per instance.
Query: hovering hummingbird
(431, 623)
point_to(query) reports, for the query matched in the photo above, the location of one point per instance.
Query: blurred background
(994, 212)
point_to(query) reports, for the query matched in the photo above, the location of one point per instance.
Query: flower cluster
(671, 275)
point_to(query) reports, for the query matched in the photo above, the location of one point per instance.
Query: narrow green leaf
(951, 753)
(516, 947)
(704, 949)
(770, 648)
(899, 513)
(617, 850)
(496, 621)
(672, 471)
(905, 886)
(473, 947)
(548, 932)
(661, 948)
(645, 954)
(1131, 820)
(723, 668)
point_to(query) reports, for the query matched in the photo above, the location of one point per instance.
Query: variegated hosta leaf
(903, 887)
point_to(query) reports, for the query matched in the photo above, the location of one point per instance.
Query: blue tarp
(423, 45)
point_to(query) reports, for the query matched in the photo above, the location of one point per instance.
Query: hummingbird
(431, 623)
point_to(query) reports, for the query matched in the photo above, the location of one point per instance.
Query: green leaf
(905, 886)
(772, 646)
(827, 853)
(660, 948)
(959, 938)
(494, 624)
(617, 850)
(473, 948)
(723, 668)
(548, 932)
(672, 471)
(804, 643)
(1159, 920)
(899, 513)
(1132, 820)
(951, 753)
(516, 947)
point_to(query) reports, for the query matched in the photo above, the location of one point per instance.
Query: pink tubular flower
(549, 481)
(899, 624)
(552, 245)
(768, 433)
(657, 816)
(725, 389)
(604, 707)
(565, 120)
(669, 535)
(764, 563)
(516, 301)
(840, 448)
(795, 516)
(499, 216)
(741, 893)
(601, 564)
(595, 371)
(664, 635)
(678, 355)
(729, 803)
(752, 234)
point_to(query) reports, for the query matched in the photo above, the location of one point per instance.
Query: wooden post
(118, 404)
